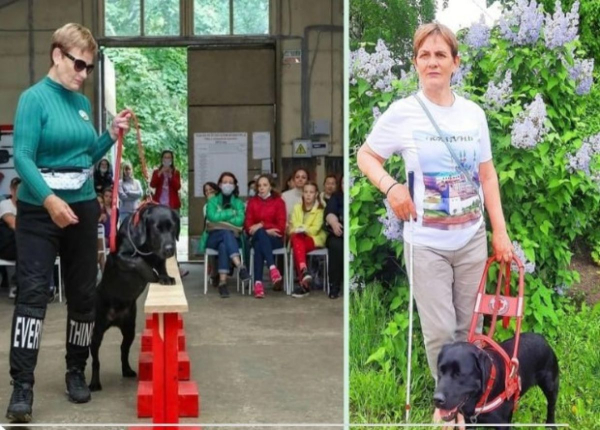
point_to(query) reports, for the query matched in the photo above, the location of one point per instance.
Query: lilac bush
(528, 266)
(529, 128)
(585, 156)
(392, 226)
(479, 34)
(497, 96)
(375, 68)
(561, 28)
(582, 73)
(522, 24)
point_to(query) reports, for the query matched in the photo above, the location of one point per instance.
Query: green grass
(377, 391)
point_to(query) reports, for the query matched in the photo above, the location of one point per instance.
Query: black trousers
(39, 240)
(335, 245)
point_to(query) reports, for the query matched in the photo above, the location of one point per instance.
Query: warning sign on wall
(302, 149)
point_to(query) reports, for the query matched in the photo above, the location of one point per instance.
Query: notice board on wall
(215, 153)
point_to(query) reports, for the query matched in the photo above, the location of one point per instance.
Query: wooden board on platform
(167, 298)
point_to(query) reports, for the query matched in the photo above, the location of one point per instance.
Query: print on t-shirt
(450, 201)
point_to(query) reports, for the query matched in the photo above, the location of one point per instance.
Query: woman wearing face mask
(306, 234)
(293, 196)
(210, 190)
(103, 177)
(265, 223)
(225, 216)
(130, 192)
(166, 182)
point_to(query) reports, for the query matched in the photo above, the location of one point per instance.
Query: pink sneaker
(259, 291)
(275, 278)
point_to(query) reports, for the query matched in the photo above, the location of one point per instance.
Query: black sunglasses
(78, 64)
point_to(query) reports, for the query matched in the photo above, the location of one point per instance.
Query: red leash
(115, 196)
(507, 307)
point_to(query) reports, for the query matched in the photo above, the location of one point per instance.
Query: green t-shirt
(53, 128)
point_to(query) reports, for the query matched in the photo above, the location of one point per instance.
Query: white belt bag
(65, 178)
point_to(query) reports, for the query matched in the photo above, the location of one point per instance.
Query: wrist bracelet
(391, 186)
(381, 179)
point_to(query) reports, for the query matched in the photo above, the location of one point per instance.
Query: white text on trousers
(80, 333)
(27, 333)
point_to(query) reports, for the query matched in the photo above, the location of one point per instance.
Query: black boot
(21, 402)
(77, 389)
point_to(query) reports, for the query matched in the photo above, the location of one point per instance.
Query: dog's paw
(95, 386)
(166, 280)
(129, 373)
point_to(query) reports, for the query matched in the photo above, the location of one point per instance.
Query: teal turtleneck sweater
(53, 128)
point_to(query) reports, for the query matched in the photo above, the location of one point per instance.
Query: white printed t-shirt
(448, 207)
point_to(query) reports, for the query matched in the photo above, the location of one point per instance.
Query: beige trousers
(445, 287)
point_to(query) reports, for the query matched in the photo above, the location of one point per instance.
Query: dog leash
(115, 196)
(411, 190)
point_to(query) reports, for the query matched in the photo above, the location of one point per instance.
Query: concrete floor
(277, 360)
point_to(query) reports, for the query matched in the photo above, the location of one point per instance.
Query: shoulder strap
(442, 135)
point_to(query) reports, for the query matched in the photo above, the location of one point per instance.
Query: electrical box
(301, 148)
(320, 148)
(320, 127)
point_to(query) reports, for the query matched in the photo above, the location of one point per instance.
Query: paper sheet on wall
(265, 166)
(215, 153)
(261, 145)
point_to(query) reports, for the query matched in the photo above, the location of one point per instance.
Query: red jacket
(157, 183)
(271, 212)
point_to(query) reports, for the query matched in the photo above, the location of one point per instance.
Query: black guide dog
(463, 371)
(144, 242)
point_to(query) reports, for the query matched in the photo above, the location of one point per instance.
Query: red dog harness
(507, 307)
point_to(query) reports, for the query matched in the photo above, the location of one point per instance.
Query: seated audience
(293, 196)
(265, 223)
(306, 234)
(330, 186)
(225, 215)
(103, 176)
(334, 224)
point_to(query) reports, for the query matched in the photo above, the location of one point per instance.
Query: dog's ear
(139, 232)
(482, 360)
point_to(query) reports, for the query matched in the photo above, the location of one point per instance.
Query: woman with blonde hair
(306, 230)
(55, 148)
(447, 235)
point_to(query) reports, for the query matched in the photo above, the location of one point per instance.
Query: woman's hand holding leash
(60, 212)
(120, 122)
(399, 198)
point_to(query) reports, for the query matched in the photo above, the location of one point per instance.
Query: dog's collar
(512, 384)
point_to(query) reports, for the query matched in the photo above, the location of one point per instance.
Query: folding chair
(319, 252)
(276, 252)
(209, 252)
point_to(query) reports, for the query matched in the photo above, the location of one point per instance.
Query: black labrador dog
(463, 371)
(144, 242)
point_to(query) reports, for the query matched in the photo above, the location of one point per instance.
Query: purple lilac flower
(523, 23)
(527, 265)
(478, 35)
(459, 76)
(392, 227)
(589, 150)
(376, 113)
(529, 128)
(582, 74)
(561, 28)
(375, 68)
(496, 97)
